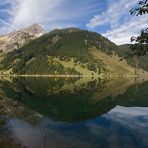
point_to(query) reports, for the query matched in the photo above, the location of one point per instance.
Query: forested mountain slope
(67, 51)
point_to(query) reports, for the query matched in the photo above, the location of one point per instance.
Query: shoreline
(79, 76)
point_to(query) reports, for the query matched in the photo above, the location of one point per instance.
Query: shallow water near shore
(73, 112)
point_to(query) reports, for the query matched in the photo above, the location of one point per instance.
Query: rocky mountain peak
(34, 29)
(15, 40)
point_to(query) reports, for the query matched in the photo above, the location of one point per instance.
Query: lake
(73, 113)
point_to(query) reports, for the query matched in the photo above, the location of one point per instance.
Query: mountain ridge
(142, 60)
(67, 51)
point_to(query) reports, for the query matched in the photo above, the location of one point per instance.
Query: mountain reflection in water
(61, 113)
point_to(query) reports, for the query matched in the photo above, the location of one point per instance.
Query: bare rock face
(16, 40)
(34, 30)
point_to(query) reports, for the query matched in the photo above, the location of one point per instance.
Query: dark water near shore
(73, 113)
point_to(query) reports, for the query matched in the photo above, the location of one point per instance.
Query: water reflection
(47, 112)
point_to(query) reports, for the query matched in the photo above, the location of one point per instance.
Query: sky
(111, 18)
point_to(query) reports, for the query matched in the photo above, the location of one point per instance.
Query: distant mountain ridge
(16, 40)
(143, 60)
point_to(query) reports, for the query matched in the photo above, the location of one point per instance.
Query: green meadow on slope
(67, 51)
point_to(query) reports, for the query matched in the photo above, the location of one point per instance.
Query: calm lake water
(73, 113)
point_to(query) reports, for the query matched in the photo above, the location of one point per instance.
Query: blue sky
(111, 18)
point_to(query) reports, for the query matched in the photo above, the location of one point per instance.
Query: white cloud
(122, 25)
(4, 22)
(34, 11)
(48, 13)
(124, 32)
(116, 8)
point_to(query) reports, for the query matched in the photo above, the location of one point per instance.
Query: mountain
(143, 60)
(67, 51)
(15, 40)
